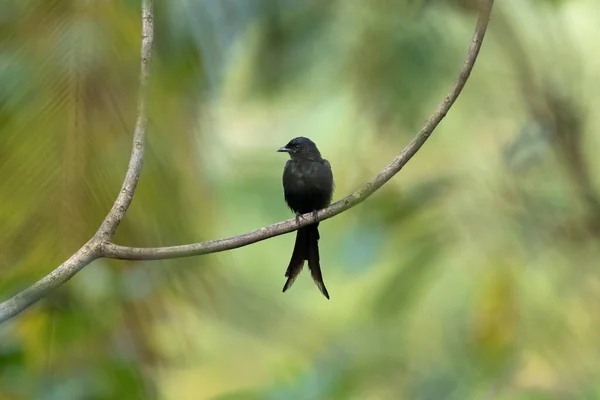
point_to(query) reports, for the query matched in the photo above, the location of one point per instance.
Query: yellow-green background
(473, 274)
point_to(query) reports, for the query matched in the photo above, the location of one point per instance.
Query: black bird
(307, 187)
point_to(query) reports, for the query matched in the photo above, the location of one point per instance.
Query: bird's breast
(307, 185)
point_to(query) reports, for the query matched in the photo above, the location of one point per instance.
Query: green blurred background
(473, 274)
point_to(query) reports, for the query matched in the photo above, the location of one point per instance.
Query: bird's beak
(283, 150)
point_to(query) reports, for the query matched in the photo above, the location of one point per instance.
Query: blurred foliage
(471, 275)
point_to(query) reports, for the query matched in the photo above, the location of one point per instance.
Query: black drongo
(308, 187)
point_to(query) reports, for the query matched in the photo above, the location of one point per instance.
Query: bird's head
(301, 148)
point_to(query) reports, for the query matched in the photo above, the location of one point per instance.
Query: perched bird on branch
(308, 187)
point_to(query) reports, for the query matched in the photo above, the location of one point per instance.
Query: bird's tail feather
(314, 261)
(298, 257)
(306, 248)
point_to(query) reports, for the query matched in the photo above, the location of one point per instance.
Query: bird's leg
(315, 214)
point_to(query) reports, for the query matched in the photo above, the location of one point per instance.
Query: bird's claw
(315, 214)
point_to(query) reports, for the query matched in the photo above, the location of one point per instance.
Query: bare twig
(112, 250)
(119, 208)
(100, 245)
(41, 288)
(92, 249)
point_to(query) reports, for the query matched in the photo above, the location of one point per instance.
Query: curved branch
(112, 250)
(100, 246)
(92, 249)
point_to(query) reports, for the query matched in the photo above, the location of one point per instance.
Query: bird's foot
(315, 214)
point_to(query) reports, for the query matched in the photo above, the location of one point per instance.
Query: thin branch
(119, 208)
(112, 250)
(41, 288)
(91, 250)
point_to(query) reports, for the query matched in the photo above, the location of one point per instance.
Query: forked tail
(306, 248)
